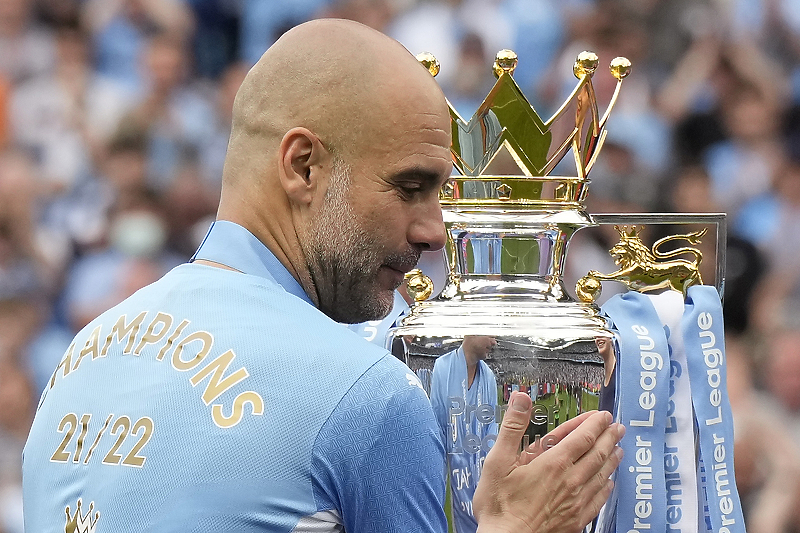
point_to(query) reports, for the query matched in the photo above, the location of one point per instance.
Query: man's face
(477, 347)
(376, 218)
(351, 257)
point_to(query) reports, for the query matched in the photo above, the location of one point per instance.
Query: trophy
(503, 321)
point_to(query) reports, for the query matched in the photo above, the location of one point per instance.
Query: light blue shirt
(467, 417)
(220, 400)
(375, 331)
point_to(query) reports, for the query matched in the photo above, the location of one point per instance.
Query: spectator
(213, 156)
(263, 22)
(24, 268)
(778, 217)
(768, 477)
(173, 114)
(120, 29)
(136, 256)
(744, 165)
(26, 49)
(19, 319)
(215, 43)
(67, 116)
(472, 80)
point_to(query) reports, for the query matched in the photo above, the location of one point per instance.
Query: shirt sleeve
(378, 460)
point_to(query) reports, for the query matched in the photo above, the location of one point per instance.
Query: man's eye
(410, 190)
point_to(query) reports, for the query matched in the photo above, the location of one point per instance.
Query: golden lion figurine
(643, 269)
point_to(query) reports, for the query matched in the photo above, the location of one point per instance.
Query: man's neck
(280, 239)
(472, 369)
(206, 262)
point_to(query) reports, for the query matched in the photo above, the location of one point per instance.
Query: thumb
(515, 422)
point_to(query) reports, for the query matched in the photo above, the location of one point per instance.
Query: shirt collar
(229, 244)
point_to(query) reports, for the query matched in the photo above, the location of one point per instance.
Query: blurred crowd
(115, 116)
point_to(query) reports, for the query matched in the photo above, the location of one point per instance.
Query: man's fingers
(561, 431)
(614, 460)
(596, 490)
(592, 508)
(594, 480)
(583, 438)
(515, 422)
(601, 453)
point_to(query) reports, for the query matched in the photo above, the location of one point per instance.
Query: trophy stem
(490, 256)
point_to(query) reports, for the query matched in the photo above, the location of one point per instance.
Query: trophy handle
(646, 269)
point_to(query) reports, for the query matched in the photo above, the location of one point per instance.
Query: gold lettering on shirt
(150, 336)
(66, 363)
(171, 339)
(190, 351)
(216, 385)
(121, 330)
(206, 341)
(92, 346)
(250, 397)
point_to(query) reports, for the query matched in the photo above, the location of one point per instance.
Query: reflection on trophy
(464, 398)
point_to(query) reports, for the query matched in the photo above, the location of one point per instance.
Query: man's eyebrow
(421, 174)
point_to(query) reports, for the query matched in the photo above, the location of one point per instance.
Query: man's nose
(427, 230)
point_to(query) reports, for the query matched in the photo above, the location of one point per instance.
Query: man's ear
(302, 161)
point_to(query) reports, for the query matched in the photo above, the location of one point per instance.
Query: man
(462, 375)
(224, 397)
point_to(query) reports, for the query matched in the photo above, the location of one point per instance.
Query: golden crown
(79, 522)
(507, 121)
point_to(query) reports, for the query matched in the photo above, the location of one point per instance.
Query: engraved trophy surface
(503, 321)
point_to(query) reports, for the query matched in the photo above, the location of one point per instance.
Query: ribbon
(703, 334)
(680, 408)
(641, 404)
(679, 449)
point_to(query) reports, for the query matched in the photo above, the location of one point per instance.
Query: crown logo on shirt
(507, 121)
(79, 522)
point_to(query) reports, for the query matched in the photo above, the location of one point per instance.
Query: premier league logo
(80, 522)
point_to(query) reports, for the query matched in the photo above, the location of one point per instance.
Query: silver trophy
(503, 321)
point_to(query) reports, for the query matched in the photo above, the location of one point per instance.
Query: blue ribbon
(642, 397)
(703, 334)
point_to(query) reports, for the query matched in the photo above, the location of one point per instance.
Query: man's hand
(559, 490)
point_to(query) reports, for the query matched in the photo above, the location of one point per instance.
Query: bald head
(340, 79)
(336, 131)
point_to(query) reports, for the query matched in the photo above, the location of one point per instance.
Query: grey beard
(344, 258)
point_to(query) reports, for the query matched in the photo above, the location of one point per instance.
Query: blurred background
(115, 115)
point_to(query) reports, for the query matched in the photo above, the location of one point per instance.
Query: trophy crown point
(620, 67)
(506, 121)
(585, 64)
(429, 61)
(505, 61)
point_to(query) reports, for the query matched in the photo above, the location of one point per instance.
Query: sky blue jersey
(467, 437)
(468, 433)
(376, 331)
(220, 400)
